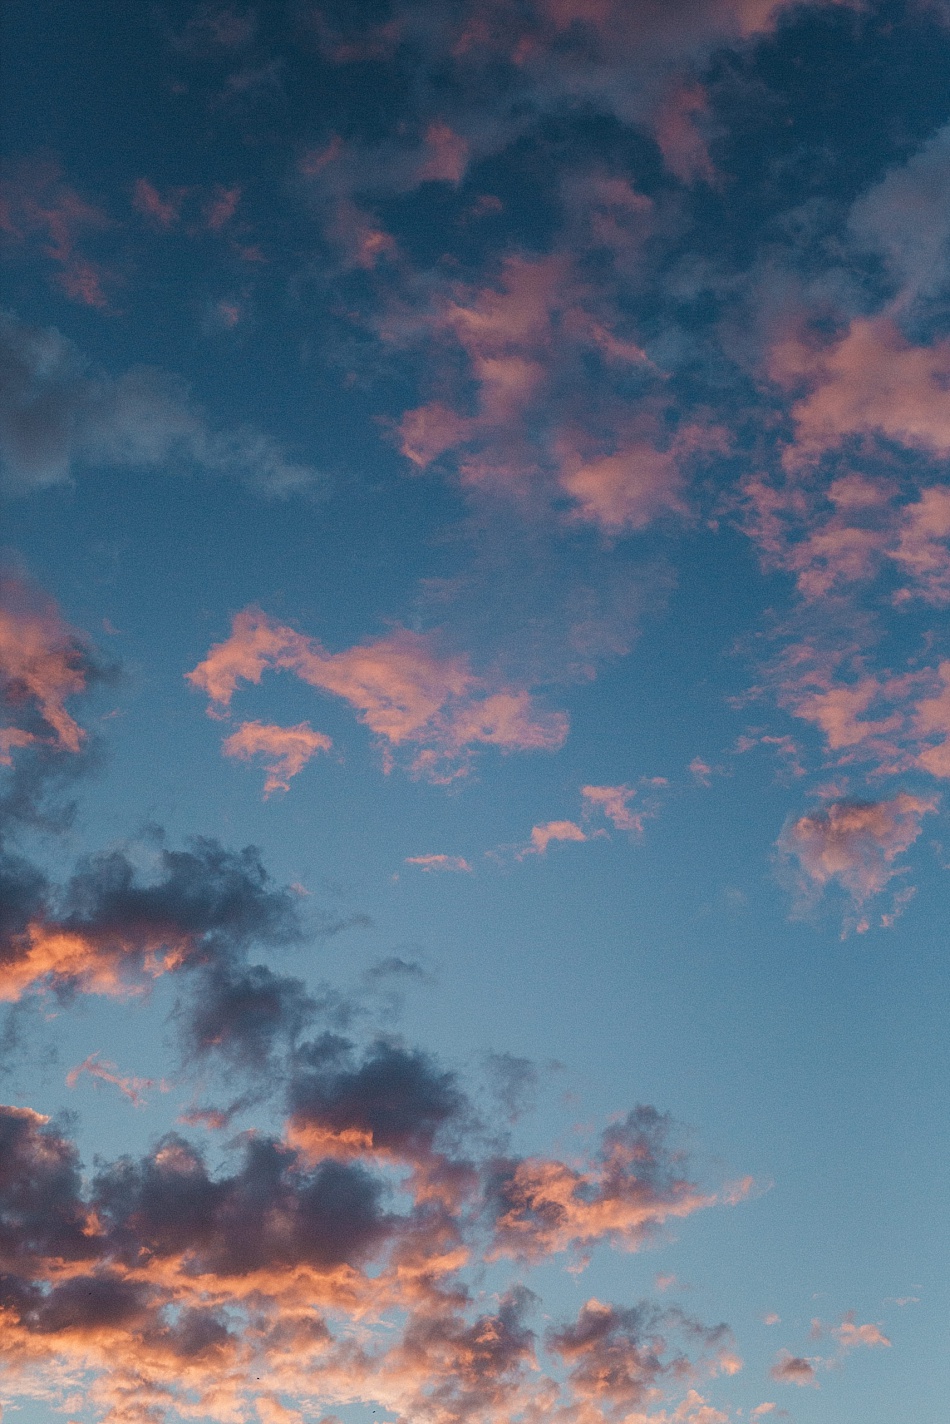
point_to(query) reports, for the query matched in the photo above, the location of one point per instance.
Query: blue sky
(490, 462)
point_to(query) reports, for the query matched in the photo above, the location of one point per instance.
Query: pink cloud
(851, 1336)
(679, 134)
(624, 490)
(439, 862)
(446, 155)
(856, 842)
(543, 835)
(38, 204)
(932, 719)
(285, 750)
(794, 1369)
(131, 1087)
(221, 207)
(166, 212)
(614, 803)
(872, 381)
(428, 431)
(401, 687)
(922, 549)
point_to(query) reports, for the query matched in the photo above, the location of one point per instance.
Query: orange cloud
(43, 662)
(96, 963)
(286, 750)
(402, 688)
(622, 1196)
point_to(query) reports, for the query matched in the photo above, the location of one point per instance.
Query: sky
(474, 712)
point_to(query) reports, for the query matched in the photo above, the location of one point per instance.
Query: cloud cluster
(335, 1257)
(402, 686)
(803, 1371)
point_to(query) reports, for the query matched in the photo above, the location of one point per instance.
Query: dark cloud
(241, 1012)
(110, 927)
(41, 1211)
(267, 1216)
(395, 1101)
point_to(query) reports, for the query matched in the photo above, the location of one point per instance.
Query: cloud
(37, 206)
(522, 415)
(57, 415)
(794, 1369)
(851, 1336)
(43, 663)
(905, 219)
(617, 1356)
(871, 382)
(439, 862)
(856, 842)
(112, 931)
(129, 1086)
(286, 750)
(631, 1187)
(395, 1103)
(679, 133)
(614, 803)
(543, 835)
(163, 1281)
(401, 686)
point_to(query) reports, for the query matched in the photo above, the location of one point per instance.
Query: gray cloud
(58, 415)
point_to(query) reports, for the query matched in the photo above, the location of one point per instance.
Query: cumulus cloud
(58, 415)
(855, 843)
(329, 1255)
(852, 1336)
(630, 1188)
(401, 686)
(112, 930)
(165, 1282)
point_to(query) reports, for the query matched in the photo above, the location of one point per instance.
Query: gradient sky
(475, 725)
